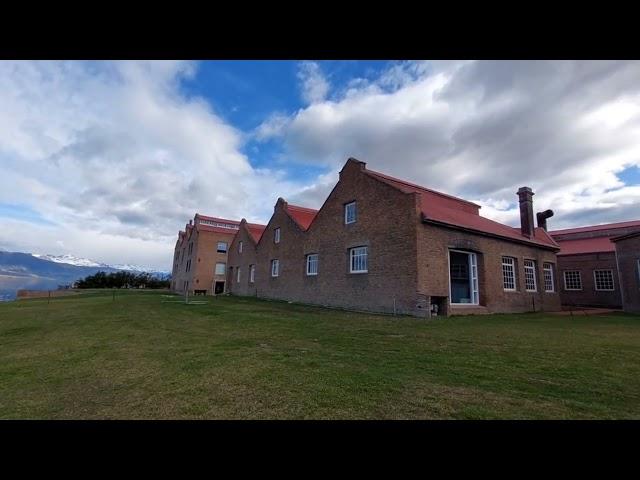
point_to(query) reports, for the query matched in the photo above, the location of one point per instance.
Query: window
(463, 277)
(350, 213)
(508, 273)
(358, 260)
(312, 264)
(252, 273)
(530, 276)
(276, 235)
(275, 268)
(572, 280)
(238, 275)
(548, 277)
(603, 280)
(220, 268)
(222, 247)
(638, 272)
(240, 247)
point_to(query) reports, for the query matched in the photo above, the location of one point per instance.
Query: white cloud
(314, 85)
(115, 155)
(482, 129)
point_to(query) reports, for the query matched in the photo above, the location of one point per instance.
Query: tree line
(122, 280)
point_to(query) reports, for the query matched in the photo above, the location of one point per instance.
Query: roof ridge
(415, 185)
(602, 226)
(289, 205)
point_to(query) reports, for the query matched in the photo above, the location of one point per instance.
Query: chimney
(190, 222)
(542, 218)
(526, 211)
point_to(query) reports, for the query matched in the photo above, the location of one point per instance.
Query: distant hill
(47, 272)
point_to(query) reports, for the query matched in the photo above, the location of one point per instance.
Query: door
(219, 288)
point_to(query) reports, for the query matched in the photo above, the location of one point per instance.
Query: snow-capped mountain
(70, 260)
(85, 262)
(45, 272)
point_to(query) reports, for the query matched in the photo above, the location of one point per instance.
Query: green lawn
(144, 356)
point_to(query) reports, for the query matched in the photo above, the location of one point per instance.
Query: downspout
(619, 282)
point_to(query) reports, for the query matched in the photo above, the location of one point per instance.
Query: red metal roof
(586, 245)
(439, 197)
(625, 236)
(255, 230)
(442, 208)
(595, 228)
(301, 215)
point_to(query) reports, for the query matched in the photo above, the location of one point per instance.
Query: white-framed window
(358, 260)
(549, 284)
(238, 275)
(275, 268)
(240, 246)
(572, 280)
(463, 278)
(312, 264)
(220, 268)
(276, 235)
(222, 247)
(350, 213)
(509, 274)
(252, 273)
(603, 280)
(530, 284)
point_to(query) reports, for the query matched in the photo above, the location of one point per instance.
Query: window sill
(359, 272)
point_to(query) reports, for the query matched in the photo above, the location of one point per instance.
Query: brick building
(628, 262)
(383, 244)
(200, 255)
(587, 264)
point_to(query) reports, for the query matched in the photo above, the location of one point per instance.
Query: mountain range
(46, 272)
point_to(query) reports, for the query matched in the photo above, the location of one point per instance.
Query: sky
(107, 160)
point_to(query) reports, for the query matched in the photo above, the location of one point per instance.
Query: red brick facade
(196, 255)
(409, 233)
(587, 252)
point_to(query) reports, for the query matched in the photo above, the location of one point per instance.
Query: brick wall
(628, 252)
(407, 260)
(589, 296)
(243, 261)
(434, 243)
(203, 256)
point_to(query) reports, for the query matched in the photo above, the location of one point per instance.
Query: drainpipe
(619, 282)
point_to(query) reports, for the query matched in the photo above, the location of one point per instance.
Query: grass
(145, 357)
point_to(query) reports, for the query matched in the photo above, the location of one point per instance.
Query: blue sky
(108, 160)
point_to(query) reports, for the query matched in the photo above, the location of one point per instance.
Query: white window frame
(224, 268)
(240, 246)
(238, 275)
(564, 277)
(275, 268)
(513, 273)
(309, 262)
(276, 235)
(595, 281)
(226, 247)
(252, 273)
(531, 268)
(473, 277)
(547, 268)
(346, 213)
(352, 255)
